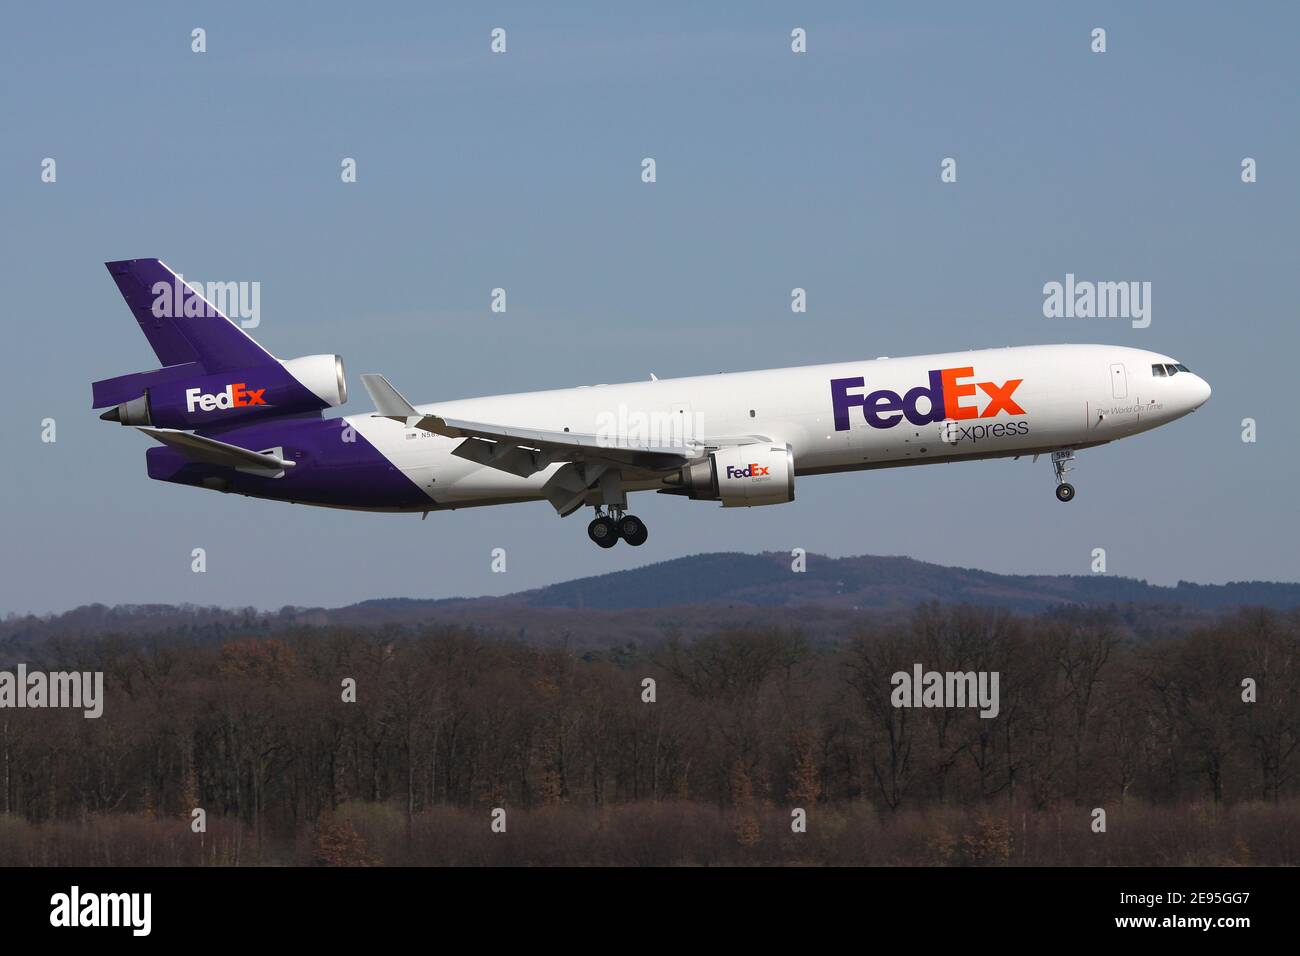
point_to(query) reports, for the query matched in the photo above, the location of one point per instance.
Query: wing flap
(541, 447)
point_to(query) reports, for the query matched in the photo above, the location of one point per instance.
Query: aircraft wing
(213, 452)
(523, 451)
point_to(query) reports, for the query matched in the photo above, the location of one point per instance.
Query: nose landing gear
(607, 529)
(1061, 464)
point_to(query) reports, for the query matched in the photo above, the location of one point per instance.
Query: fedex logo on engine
(752, 470)
(949, 394)
(238, 395)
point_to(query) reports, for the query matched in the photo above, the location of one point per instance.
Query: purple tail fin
(180, 324)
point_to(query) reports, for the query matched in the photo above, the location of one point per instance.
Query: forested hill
(687, 596)
(767, 580)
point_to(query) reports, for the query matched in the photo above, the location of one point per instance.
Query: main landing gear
(607, 529)
(1061, 464)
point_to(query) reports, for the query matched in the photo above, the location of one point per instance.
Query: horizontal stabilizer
(124, 388)
(213, 452)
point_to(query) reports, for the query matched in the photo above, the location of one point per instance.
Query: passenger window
(1171, 369)
(1158, 371)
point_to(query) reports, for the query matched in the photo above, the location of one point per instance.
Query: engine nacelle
(194, 399)
(322, 375)
(740, 476)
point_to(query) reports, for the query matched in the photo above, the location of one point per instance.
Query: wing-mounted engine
(186, 396)
(740, 476)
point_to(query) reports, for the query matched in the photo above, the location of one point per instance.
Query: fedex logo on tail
(950, 393)
(237, 395)
(752, 470)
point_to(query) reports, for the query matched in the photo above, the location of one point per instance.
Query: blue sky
(522, 171)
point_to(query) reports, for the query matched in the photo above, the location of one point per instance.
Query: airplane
(232, 418)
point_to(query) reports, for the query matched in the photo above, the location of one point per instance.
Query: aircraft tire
(633, 530)
(604, 532)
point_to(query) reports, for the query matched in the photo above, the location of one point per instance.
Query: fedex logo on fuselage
(949, 393)
(752, 470)
(237, 395)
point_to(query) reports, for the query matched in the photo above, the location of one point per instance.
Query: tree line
(263, 731)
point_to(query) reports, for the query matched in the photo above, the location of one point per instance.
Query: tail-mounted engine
(186, 397)
(740, 476)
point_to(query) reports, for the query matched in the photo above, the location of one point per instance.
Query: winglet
(389, 402)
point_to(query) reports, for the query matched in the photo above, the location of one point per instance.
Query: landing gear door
(1118, 381)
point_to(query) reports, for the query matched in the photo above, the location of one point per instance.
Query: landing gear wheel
(603, 531)
(633, 530)
(1061, 464)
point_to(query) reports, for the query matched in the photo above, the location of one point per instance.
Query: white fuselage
(997, 403)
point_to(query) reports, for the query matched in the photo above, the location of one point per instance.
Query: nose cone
(1200, 392)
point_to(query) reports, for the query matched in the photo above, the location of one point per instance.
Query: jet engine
(740, 476)
(185, 396)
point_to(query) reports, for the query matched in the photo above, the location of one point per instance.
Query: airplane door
(1123, 412)
(1118, 381)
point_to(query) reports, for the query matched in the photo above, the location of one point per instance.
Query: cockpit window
(1171, 369)
(1182, 368)
(1158, 371)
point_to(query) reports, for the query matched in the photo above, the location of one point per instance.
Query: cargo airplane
(233, 418)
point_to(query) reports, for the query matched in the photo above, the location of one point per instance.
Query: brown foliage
(677, 833)
(337, 843)
(747, 722)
